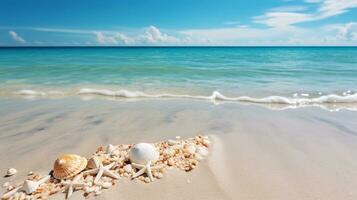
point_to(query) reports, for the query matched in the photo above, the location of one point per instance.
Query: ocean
(286, 75)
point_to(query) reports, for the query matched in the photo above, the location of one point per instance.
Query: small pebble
(97, 193)
(188, 181)
(106, 185)
(206, 142)
(171, 161)
(106, 179)
(89, 189)
(172, 142)
(10, 187)
(128, 168)
(147, 179)
(160, 175)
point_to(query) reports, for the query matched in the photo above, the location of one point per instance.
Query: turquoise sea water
(257, 72)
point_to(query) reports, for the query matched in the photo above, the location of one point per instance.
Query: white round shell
(142, 153)
(11, 171)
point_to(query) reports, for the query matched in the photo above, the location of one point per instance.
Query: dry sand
(257, 153)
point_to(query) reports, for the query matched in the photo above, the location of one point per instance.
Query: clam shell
(68, 165)
(142, 153)
(94, 162)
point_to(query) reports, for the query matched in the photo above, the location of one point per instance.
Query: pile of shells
(143, 161)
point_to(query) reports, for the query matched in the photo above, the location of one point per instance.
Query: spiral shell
(68, 165)
(142, 153)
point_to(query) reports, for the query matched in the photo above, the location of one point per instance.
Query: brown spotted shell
(94, 162)
(68, 165)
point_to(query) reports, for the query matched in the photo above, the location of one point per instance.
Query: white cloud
(278, 17)
(282, 19)
(124, 38)
(338, 34)
(16, 37)
(288, 9)
(117, 38)
(148, 35)
(344, 32)
(103, 39)
(154, 35)
(276, 34)
(330, 8)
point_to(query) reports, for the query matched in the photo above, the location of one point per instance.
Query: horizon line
(167, 46)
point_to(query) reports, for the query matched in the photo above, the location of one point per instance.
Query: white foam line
(332, 98)
(215, 96)
(31, 93)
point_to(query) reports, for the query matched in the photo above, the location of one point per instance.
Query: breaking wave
(332, 98)
(215, 96)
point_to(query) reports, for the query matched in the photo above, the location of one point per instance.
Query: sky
(178, 22)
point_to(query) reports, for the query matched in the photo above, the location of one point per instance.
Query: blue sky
(178, 22)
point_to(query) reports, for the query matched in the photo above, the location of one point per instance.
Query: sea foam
(215, 96)
(331, 98)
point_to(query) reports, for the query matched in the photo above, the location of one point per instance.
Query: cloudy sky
(178, 22)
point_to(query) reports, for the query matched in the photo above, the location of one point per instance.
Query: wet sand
(257, 153)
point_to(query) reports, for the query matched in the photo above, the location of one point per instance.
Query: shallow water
(290, 72)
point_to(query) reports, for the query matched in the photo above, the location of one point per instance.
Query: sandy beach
(178, 100)
(256, 153)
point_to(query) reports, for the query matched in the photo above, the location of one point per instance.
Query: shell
(202, 152)
(89, 189)
(110, 149)
(172, 142)
(94, 162)
(68, 165)
(31, 186)
(11, 172)
(142, 153)
(190, 149)
(128, 168)
(106, 185)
